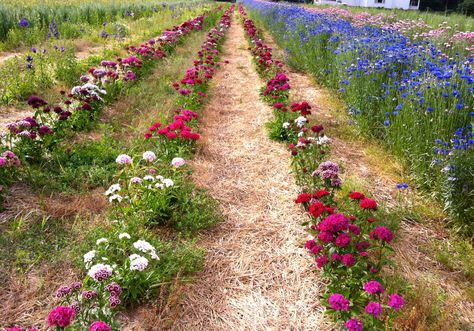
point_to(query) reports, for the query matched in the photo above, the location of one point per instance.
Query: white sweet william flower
(89, 256)
(124, 235)
(136, 180)
(148, 177)
(160, 185)
(101, 240)
(159, 177)
(324, 140)
(149, 156)
(168, 182)
(112, 189)
(124, 159)
(115, 197)
(300, 121)
(138, 262)
(154, 256)
(178, 162)
(286, 125)
(100, 271)
(301, 134)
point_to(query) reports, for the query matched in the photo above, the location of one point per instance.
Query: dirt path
(257, 275)
(371, 166)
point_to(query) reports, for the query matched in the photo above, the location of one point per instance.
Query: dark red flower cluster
(302, 107)
(277, 85)
(177, 128)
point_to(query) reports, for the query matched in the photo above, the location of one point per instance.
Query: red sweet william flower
(356, 196)
(343, 240)
(316, 209)
(368, 204)
(382, 233)
(322, 261)
(348, 259)
(303, 197)
(320, 194)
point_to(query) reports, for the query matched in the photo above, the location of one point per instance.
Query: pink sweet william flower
(382, 233)
(373, 308)
(343, 240)
(100, 326)
(61, 316)
(338, 302)
(396, 301)
(321, 261)
(149, 156)
(178, 162)
(373, 287)
(353, 325)
(123, 159)
(348, 260)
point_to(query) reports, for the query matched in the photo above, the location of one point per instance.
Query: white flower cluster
(88, 89)
(138, 262)
(89, 256)
(111, 193)
(145, 247)
(160, 181)
(124, 235)
(301, 121)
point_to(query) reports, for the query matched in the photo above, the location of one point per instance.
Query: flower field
(199, 172)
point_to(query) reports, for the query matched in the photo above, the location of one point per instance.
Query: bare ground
(257, 274)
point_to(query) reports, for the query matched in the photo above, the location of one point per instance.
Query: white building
(391, 4)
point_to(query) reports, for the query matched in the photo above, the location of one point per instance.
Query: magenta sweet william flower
(373, 287)
(382, 233)
(326, 236)
(334, 223)
(373, 308)
(396, 301)
(99, 326)
(61, 316)
(348, 259)
(343, 240)
(353, 325)
(338, 302)
(321, 261)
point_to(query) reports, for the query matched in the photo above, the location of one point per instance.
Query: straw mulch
(257, 275)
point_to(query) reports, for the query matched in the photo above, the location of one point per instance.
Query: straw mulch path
(257, 275)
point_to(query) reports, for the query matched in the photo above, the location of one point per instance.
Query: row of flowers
(127, 264)
(407, 94)
(32, 138)
(348, 238)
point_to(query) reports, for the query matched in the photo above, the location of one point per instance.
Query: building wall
(400, 4)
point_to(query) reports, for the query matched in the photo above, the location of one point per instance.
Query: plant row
(32, 140)
(55, 63)
(125, 263)
(413, 98)
(29, 24)
(350, 241)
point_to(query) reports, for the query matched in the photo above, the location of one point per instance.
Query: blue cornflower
(402, 186)
(386, 122)
(24, 22)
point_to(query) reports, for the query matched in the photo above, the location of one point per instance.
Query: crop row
(350, 241)
(409, 95)
(127, 263)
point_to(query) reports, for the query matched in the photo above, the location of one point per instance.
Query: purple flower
(396, 301)
(63, 291)
(353, 325)
(24, 22)
(373, 308)
(373, 287)
(114, 289)
(114, 301)
(343, 240)
(99, 326)
(338, 302)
